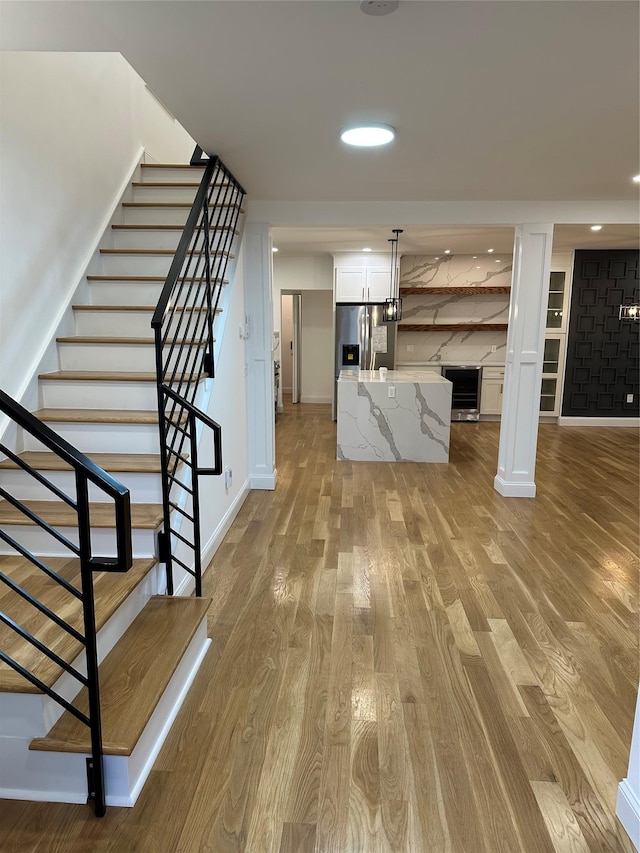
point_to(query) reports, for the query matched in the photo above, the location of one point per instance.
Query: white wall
(228, 407)
(317, 347)
(313, 272)
(72, 129)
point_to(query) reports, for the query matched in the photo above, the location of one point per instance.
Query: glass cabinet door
(551, 375)
(555, 305)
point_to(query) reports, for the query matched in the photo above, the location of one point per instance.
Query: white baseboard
(628, 812)
(187, 585)
(514, 490)
(264, 482)
(315, 399)
(600, 422)
(222, 529)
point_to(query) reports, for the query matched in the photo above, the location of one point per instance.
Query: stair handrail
(86, 471)
(183, 327)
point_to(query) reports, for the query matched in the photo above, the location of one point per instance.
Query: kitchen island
(403, 418)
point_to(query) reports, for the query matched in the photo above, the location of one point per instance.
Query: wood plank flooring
(403, 661)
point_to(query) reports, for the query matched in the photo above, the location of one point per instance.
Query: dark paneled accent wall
(602, 351)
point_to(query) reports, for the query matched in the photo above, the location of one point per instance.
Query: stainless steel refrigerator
(363, 341)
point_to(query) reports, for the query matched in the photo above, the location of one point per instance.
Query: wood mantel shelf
(452, 327)
(456, 291)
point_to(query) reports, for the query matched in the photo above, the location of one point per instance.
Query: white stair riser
(124, 357)
(151, 174)
(113, 292)
(145, 239)
(155, 215)
(125, 324)
(104, 438)
(125, 293)
(38, 541)
(78, 394)
(170, 194)
(128, 324)
(144, 488)
(136, 264)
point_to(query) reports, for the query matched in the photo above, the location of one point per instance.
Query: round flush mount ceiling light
(378, 7)
(368, 136)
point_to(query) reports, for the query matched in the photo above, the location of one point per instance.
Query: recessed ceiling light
(596, 227)
(490, 250)
(637, 179)
(475, 257)
(366, 249)
(274, 249)
(368, 136)
(437, 259)
(498, 262)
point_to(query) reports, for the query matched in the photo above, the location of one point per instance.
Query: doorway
(291, 364)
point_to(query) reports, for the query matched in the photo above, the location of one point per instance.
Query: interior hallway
(403, 661)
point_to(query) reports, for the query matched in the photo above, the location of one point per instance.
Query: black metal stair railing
(86, 472)
(183, 325)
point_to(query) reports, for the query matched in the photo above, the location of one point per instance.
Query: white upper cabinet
(362, 277)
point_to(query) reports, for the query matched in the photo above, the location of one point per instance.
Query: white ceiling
(493, 101)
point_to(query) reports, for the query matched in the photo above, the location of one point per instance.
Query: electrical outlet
(629, 398)
(493, 347)
(391, 390)
(409, 347)
(228, 478)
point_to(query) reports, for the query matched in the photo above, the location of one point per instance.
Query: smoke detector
(378, 7)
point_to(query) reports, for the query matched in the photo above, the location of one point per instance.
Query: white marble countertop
(393, 376)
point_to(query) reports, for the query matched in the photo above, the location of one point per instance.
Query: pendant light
(393, 305)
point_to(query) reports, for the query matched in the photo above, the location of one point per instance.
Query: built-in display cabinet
(555, 343)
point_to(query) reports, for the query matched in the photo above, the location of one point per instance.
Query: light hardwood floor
(403, 661)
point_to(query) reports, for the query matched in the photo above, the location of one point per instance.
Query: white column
(259, 311)
(523, 369)
(628, 802)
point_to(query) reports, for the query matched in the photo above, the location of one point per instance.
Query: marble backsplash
(454, 347)
(451, 348)
(455, 271)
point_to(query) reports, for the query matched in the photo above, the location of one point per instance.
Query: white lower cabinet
(491, 390)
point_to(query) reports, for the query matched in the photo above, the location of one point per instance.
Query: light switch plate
(391, 390)
(629, 398)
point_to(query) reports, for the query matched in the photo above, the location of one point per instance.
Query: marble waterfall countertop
(405, 418)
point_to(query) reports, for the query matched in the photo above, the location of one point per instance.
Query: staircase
(104, 400)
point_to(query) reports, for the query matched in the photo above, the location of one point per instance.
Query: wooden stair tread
(134, 463)
(133, 677)
(181, 184)
(110, 590)
(96, 339)
(146, 278)
(99, 416)
(135, 308)
(59, 514)
(179, 204)
(154, 279)
(107, 376)
(173, 165)
(176, 227)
